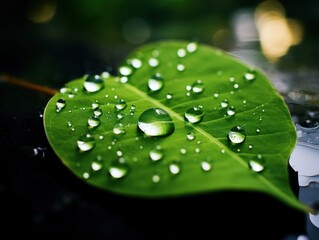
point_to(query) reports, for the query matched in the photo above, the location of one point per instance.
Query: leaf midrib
(207, 135)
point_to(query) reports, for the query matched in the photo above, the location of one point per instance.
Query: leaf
(162, 152)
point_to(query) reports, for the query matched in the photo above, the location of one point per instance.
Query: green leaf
(163, 152)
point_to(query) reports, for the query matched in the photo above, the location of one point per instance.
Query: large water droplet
(237, 135)
(156, 82)
(156, 122)
(60, 104)
(86, 142)
(194, 114)
(118, 169)
(93, 83)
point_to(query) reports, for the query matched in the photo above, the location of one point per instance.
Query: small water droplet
(192, 47)
(181, 52)
(156, 122)
(224, 103)
(153, 62)
(194, 115)
(237, 135)
(60, 104)
(105, 74)
(96, 166)
(119, 129)
(86, 175)
(120, 116)
(156, 178)
(183, 151)
(250, 75)
(190, 136)
(206, 166)
(65, 90)
(198, 87)
(216, 95)
(97, 112)
(256, 166)
(174, 168)
(222, 151)
(236, 86)
(119, 169)
(120, 104)
(155, 83)
(231, 111)
(180, 67)
(94, 122)
(169, 96)
(86, 142)
(125, 70)
(258, 130)
(197, 150)
(93, 83)
(95, 105)
(156, 154)
(250, 146)
(136, 63)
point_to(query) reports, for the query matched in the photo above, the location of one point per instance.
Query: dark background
(50, 42)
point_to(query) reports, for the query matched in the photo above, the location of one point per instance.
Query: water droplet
(156, 122)
(250, 75)
(119, 129)
(97, 112)
(181, 52)
(231, 111)
(93, 83)
(216, 95)
(232, 79)
(206, 166)
(174, 168)
(120, 116)
(95, 105)
(256, 165)
(86, 175)
(198, 87)
(86, 142)
(96, 166)
(169, 96)
(236, 86)
(118, 169)
(180, 67)
(190, 136)
(183, 151)
(60, 104)
(237, 135)
(156, 178)
(120, 104)
(156, 154)
(194, 115)
(224, 103)
(105, 74)
(155, 83)
(65, 90)
(250, 146)
(258, 130)
(136, 63)
(197, 150)
(153, 62)
(192, 47)
(125, 70)
(94, 122)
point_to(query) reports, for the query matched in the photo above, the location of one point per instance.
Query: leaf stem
(25, 84)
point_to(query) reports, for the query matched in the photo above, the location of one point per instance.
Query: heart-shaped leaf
(181, 118)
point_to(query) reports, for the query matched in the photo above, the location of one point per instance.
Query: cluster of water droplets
(153, 122)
